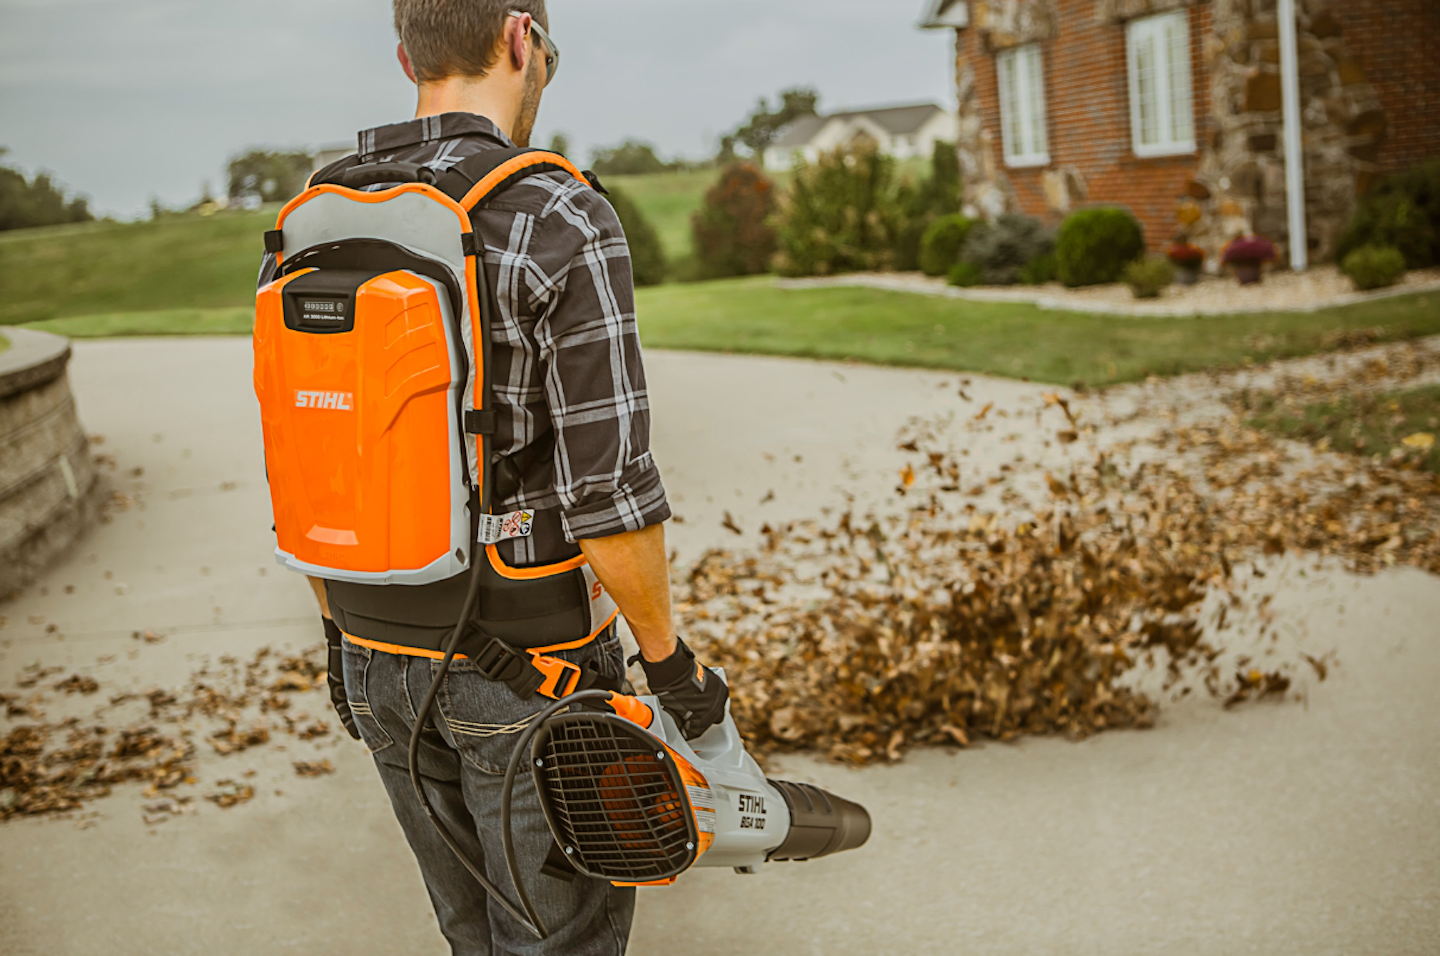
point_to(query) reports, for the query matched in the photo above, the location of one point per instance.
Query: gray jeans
(461, 765)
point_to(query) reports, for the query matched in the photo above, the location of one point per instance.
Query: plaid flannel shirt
(565, 349)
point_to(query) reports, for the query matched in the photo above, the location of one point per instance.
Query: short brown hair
(457, 37)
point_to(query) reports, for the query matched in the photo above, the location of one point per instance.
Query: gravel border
(1055, 297)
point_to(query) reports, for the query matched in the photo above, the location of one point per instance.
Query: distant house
(1175, 108)
(900, 131)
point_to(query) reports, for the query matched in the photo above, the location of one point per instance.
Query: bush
(1095, 245)
(965, 275)
(1374, 267)
(1149, 276)
(630, 158)
(647, 256)
(921, 204)
(1003, 249)
(1402, 211)
(839, 215)
(1039, 270)
(732, 231)
(941, 245)
(36, 202)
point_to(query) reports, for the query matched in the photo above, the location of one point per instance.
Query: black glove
(335, 677)
(690, 692)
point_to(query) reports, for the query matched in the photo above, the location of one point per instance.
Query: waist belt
(529, 670)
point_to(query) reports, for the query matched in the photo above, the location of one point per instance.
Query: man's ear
(405, 63)
(517, 41)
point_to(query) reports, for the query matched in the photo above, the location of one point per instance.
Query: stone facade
(1370, 103)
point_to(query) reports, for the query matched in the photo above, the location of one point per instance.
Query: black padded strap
(468, 173)
(325, 173)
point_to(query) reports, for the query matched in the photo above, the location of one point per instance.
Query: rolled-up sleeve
(594, 377)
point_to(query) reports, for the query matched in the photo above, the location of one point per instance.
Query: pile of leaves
(864, 636)
(57, 767)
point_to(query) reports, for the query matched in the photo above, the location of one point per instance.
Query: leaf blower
(629, 800)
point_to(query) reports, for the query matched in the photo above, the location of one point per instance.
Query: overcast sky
(127, 99)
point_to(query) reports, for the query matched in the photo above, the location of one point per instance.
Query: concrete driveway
(1305, 829)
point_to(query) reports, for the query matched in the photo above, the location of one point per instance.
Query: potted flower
(1187, 259)
(1246, 254)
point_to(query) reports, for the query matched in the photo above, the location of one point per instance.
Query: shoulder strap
(325, 173)
(487, 174)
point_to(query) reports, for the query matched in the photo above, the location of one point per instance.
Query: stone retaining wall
(49, 487)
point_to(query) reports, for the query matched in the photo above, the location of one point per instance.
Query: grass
(668, 200)
(234, 321)
(185, 262)
(1363, 424)
(1008, 339)
(4, 343)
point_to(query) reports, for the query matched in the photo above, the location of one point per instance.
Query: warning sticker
(497, 528)
(702, 800)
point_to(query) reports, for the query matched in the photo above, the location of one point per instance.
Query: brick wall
(1088, 102)
(1397, 45)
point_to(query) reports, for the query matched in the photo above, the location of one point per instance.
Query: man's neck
(466, 94)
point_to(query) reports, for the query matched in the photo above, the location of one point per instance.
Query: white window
(1022, 106)
(1162, 108)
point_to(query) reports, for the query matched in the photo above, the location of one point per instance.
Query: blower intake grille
(614, 798)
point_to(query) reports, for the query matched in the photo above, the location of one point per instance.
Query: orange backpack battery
(371, 352)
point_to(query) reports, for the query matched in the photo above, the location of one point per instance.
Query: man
(569, 388)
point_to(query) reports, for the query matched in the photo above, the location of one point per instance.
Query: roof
(945, 14)
(895, 120)
(800, 132)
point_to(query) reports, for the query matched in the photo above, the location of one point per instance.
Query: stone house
(904, 132)
(1175, 108)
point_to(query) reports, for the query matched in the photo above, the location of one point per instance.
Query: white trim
(1025, 138)
(1172, 80)
(940, 15)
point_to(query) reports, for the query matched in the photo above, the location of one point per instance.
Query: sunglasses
(552, 52)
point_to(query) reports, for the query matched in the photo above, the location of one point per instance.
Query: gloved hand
(690, 692)
(335, 677)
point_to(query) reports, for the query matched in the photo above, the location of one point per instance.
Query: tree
(269, 176)
(732, 232)
(921, 204)
(647, 257)
(630, 158)
(765, 124)
(560, 143)
(25, 203)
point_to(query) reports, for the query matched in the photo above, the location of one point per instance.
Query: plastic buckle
(555, 671)
(498, 661)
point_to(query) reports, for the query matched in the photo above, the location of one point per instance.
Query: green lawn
(4, 343)
(894, 328)
(668, 200)
(185, 262)
(1360, 423)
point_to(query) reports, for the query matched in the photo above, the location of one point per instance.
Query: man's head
(489, 46)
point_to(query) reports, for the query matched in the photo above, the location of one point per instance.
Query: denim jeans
(462, 764)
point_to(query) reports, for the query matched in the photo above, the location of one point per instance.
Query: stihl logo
(337, 401)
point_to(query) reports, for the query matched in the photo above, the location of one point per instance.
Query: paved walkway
(1305, 829)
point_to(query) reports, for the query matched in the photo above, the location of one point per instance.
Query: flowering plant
(1248, 249)
(1184, 255)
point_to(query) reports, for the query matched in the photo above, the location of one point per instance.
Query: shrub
(839, 215)
(1186, 256)
(1402, 211)
(647, 256)
(1095, 245)
(1374, 267)
(1003, 248)
(965, 275)
(940, 248)
(1248, 249)
(1038, 270)
(1149, 276)
(921, 204)
(732, 230)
